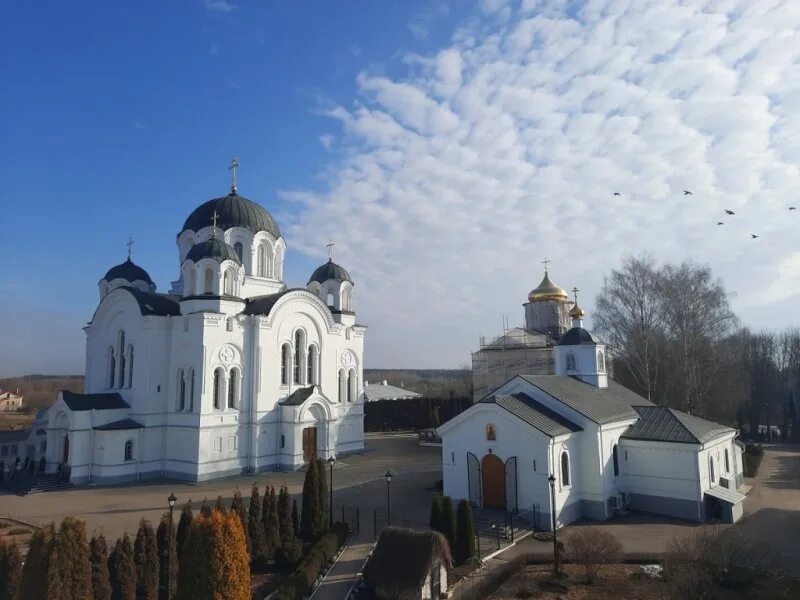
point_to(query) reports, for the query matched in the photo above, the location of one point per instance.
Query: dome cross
(129, 244)
(575, 293)
(214, 218)
(232, 169)
(546, 262)
(330, 246)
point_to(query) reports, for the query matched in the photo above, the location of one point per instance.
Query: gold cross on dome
(214, 218)
(546, 262)
(575, 292)
(129, 244)
(330, 246)
(232, 169)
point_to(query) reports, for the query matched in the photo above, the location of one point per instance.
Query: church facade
(229, 372)
(605, 449)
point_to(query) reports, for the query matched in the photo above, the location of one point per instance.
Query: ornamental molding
(227, 354)
(347, 359)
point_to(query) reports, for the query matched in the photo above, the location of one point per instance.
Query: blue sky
(447, 147)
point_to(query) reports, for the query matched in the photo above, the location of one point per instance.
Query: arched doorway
(65, 452)
(315, 436)
(493, 482)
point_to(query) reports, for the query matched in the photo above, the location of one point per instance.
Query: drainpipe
(553, 471)
(252, 451)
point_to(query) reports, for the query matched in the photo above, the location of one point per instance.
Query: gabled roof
(534, 413)
(384, 391)
(724, 494)
(109, 401)
(151, 303)
(120, 425)
(601, 405)
(403, 558)
(662, 424)
(297, 397)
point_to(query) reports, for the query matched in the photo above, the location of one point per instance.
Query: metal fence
(350, 515)
(381, 519)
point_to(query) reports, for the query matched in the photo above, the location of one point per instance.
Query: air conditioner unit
(613, 502)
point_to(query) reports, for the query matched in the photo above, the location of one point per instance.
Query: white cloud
(326, 140)
(139, 125)
(222, 6)
(506, 145)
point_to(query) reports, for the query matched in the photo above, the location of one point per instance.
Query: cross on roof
(545, 262)
(129, 244)
(214, 218)
(330, 246)
(232, 169)
(575, 292)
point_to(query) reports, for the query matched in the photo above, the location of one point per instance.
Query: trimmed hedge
(751, 459)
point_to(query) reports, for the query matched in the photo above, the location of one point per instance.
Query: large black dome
(330, 270)
(576, 337)
(233, 211)
(129, 272)
(213, 248)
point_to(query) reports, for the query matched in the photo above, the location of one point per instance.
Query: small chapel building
(608, 449)
(230, 372)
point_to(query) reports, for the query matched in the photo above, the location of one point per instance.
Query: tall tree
(237, 508)
(35, 572)
(183, 526)
(145, 556)
(295, 519)
(435, 520)
(310, 510)
(101, 579)
(255, 528)
(122, 569)
(323, 498)
(205, 508)
(71, 550)
(269, 517)
(220, 505)
(448, 521)
(464, 548)
(10, 571)
(167, 558)
(285, 516)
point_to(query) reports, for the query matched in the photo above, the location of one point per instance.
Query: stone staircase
(23, 486)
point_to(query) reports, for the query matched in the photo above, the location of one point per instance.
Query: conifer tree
(448, 521)
(10, 571)
(70, 558)
(309, 515)
(323, 500)
(205, 508)
(295, 519)
(255, 528)
(237, 508)
(35, 575)
(285, 516)
(98, 556)
(122, 569)
(145, 555)
(184, 524)
(269, 517)
(167, 558)
(220, 505)
(435, 521)
(465, 533)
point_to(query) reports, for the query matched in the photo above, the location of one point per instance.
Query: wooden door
(493, 479)
(309, 444)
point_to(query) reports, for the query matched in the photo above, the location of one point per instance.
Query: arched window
(228, 283)
(112, 367)
(208, 286)
(299, 358)
(237, 247)
(129, 450)
(130, 366)
(347, 298)
(601, 362)
(711, 468)
(181, 390)
(191, 390)
(727, 462)
(190, 283)
(342, 385)
(313, 365)
(491, 432)
(229, 324)
(218, 375)
(616, 460)
(564, 469)
(121, 359)
(329, 300)
(233, 388)
(286, 354)
(352, 390)
(571, 366)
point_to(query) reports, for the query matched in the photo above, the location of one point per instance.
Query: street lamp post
(172, 499)
(552, 480)
(331, 460)
(388, 498)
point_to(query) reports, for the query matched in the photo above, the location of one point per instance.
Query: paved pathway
(343, 574)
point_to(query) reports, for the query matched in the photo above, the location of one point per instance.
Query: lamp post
(171, 500)
(331, 460)
(552, 480)
(388, 498)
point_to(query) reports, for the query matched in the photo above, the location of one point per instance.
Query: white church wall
(715, 451)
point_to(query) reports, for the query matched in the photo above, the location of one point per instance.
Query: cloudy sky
(447, 148)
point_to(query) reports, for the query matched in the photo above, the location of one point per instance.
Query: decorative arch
(318, 409)
(347, 297)
(323, 311)
(234, 385)
(286, 357)
(218, 391)
(191, 281)
(566, 475)
(571, 362)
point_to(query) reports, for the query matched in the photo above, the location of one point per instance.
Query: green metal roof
(213, 248)
(330, 270)
(663, 424)
(108, 401)
(232, 211)
(297, 397)
(576, 337)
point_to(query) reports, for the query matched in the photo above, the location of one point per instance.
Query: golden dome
(576, 312)
(547, 290)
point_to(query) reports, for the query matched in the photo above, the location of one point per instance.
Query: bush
(591, 548)
(751, 459)
(288, 555)
(316, 560)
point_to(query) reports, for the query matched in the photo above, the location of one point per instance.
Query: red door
(493, 478)
(309, 444)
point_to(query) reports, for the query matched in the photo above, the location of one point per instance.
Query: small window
(208, 284)
(112, 367)
(237, 247)
(229, 324)
(534, 464)
(601, 362)
(283, 441)
(130, 366)
(616, 460)
(181, 391)
(711, 469)
(453, 457)
(571, 363)
(329, 300)
(565, 469)
(129, 450)
(491, 432)
(342, 385)
(186, 323)
(233, 385)
(217, 389)
(727, 462)
(285, 357)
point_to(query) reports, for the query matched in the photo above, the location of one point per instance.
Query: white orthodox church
(607, 449)
(229, 372)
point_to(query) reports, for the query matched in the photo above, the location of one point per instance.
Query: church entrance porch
(493, 482)
(309, 444)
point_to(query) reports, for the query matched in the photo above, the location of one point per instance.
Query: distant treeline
(414, 413)
(433, 383)
(40, 391)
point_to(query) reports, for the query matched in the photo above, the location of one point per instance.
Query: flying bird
(720, 223)
(753, 236)
(792, 208)
(617, 194)
(730, 212)
(687, 193)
